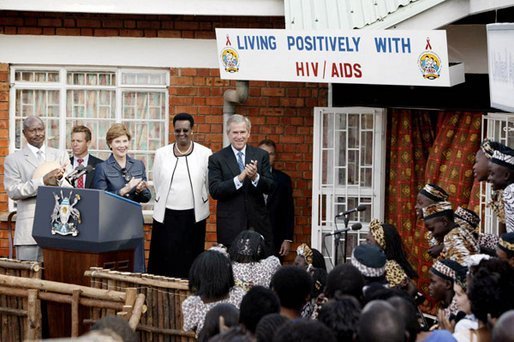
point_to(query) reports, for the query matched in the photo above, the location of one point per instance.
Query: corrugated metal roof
(349, 14)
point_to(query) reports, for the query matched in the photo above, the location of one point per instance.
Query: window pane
(143, 78)
(36, 76)
(91, 78)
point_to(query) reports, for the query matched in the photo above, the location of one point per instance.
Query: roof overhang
(157, 7)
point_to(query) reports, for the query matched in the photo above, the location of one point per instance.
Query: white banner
(357, 56)
(500, 54)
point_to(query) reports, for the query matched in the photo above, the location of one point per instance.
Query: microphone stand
(337, 238)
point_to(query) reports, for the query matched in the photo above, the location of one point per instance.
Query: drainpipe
(232, 97)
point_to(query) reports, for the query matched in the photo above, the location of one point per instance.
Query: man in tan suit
(21, 182)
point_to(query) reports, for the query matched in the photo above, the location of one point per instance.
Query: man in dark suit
(239, 176)
(80, 141)
(280, 204)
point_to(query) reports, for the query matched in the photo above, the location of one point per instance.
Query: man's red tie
(80, 181)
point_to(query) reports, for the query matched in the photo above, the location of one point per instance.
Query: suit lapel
(230, 160)
(30, 157)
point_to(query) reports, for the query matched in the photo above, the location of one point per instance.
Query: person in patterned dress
(249, 264)
(430, 194)
(399, 272)
(469, 220)
(211, 282)
(458, 243)
(501, 176)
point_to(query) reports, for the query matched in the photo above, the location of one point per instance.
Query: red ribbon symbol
(227, 43)
(428, 46)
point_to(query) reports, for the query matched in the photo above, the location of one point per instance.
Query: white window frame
(62, 87)
(319, 225)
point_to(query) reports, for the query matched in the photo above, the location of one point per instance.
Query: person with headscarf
(430, 194)
(501, 176)
(442, 275)
(469, 220)
(458, 243)
(249, 264)
(505, 248)
(371, 263)
(399, 272)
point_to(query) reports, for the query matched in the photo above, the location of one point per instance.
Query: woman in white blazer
(181, 202)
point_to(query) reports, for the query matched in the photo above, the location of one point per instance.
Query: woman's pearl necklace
(180, 153)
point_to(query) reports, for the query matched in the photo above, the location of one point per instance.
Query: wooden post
(33, 324)
(139, 308)
(75, 301)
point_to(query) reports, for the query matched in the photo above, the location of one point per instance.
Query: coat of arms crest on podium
(65, 216)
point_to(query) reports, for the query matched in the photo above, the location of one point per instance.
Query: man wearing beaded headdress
(469, 220)
(442, 276)
(458, 242)
(430, 194)
(481, 173)
(501, 176)
(505, 249)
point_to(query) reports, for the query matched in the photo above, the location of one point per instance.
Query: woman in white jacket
(181, 202)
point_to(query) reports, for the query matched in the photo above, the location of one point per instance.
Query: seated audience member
(257, 303)
(235, 334)
(211, 282)
(318, 260)
(490, 293)
(341, 315)
(116, 325)
(399, 272)
(344, 279)
(370, 261)
(504, 328)
(380, 322)
(304, 330)
(442, 275)
(268, 326)
(469, 220)
(304, 257)
(505, 248)
(211, 326)
(458, 243)
(293, 286)
(407, 311)
(430, 194)
(501, 176)
(249, 264)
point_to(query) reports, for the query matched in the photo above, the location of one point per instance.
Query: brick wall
(278, 110)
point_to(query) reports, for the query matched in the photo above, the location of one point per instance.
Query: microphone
(361, 207)
(82, 172)
(355, 226)
(73, 173)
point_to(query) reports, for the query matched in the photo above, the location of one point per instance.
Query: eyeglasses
(183, 130)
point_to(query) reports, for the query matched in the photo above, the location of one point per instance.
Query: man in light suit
(239, 176)
(280, 204)
(22, 187)
(80, 141)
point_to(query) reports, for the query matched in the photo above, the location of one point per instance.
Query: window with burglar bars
(95, 97)
(348, 171)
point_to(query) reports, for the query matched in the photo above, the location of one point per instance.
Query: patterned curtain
(428, 147)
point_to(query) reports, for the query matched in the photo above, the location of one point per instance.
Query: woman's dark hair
(344, 279)
(248, 246)
(341, 315)
(318, 260)
(319, 281)
(211, 326)
(184, 117)
(211, 276)
(293, 286)
(490, 289)
(394, 250)
(258, 302)
(304, 330)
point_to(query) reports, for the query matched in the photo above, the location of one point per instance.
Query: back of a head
(407, 311)
(381, 322)
(344, 279)
(211, 275)
(117, 325)
(248, 246)
(304, 330)
(257, 303)
(504, 328)
(235, 334)
(211, 325)
(268, 326)
(293, 286)
(318, 260)
(341, 315)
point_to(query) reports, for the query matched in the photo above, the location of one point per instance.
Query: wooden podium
(109, 229)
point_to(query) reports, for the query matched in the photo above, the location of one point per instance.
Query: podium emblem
(65, 216)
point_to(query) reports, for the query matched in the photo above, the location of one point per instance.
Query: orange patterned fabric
(428, 147)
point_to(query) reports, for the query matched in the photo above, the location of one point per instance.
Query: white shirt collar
(237, 151)
(34, 150)
(76, 163)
